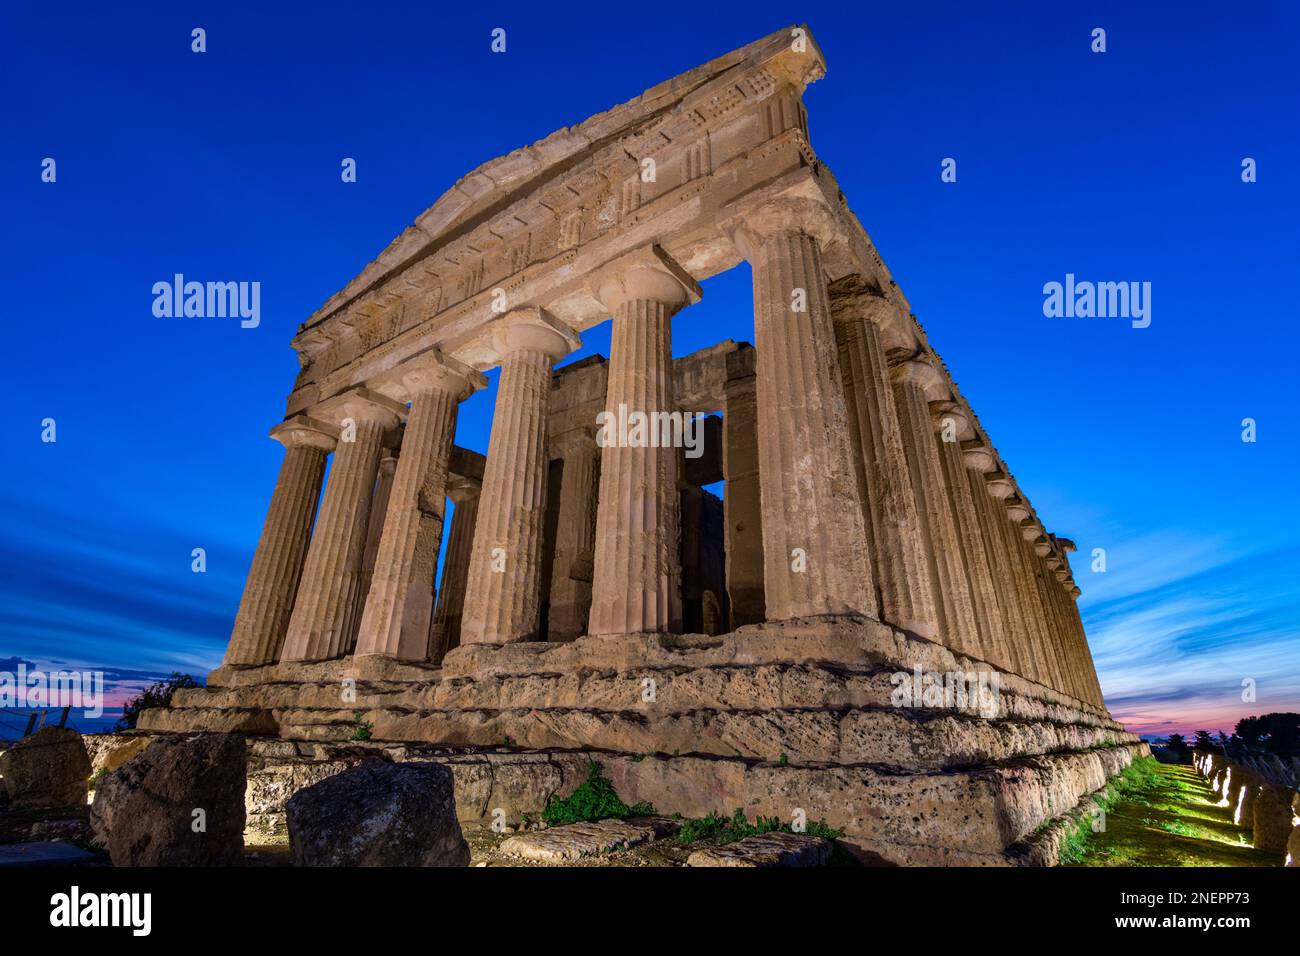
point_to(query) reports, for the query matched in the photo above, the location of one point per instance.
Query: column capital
(647, 273)
(980, 458)
(939, 411)
(1017, 511)
(360, 404)
(920, 371)
(428, 370)
(862, 303)
(461, 490)
(302, 431)
(793, 204)
(1001, 487)
(532, 328)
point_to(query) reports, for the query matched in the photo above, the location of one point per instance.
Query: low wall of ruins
(1270, 810)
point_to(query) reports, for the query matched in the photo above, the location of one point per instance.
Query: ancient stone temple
(872, 627)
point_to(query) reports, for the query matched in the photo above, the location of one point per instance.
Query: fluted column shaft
(636, 584)
(375, 526)
(895, 531)
(813, 557)
(1035, 570)
(444, 632)
(267, 603)
(988, 616)
(503, 594)
(324, 620)
(575, 538)
(1074, 658)
(1032, 652)
(952, 597)
(400, 604)
(992, 517)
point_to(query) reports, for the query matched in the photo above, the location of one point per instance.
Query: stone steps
(908, 739)
(676, 690)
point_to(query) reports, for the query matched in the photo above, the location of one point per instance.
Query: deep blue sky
(225, 166)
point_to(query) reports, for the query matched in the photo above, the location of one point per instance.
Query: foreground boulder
(48, 769)
(178, 803)
(1272, 817)
(378, 814)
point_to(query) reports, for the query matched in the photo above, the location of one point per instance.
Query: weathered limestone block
(576, 840)
(766, 850)
(1272, 810)
(48, 769)
(109, 751)
(378, 814)
(179, 803)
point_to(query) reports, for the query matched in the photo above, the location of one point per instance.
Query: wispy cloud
(1184, 629)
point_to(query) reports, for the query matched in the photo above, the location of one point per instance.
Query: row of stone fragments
(1270, 811)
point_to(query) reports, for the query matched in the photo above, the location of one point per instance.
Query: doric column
(273, 576)
(503, 595)
(400, 604)
(444, 632)
(324, 621)
(1090, 665)
(575, 535)
(952, 426)
(916, 383)
(1055, 672)
(814, 558)
(1069, 639)
(979, 462)
(1025, 606)
(375, 525)
(742, 501)
(895, 531)
(636, 583)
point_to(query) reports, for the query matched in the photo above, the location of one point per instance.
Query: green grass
(718, 829)
(1162, 815)
(595, 799)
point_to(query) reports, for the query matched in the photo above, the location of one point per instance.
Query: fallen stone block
(378, 814)
(178, 803)
(766, 849)
(48, 769)
(576, 840)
